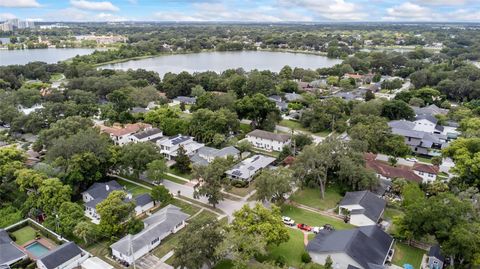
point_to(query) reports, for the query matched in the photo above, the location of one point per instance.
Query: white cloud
(19, 3)
(75, 14)
(7, 16)
(463, 15)
(219, 12)
(92, 5)
(338, 10)
(109, 17)
(410, 12)
(442, 2)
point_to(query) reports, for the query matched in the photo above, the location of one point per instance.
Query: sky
(243, 10)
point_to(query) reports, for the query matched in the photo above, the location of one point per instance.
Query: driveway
(150, 261)
(228, 206)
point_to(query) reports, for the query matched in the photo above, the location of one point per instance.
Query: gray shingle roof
(100, 190)
(430, 118)
(436, 252)
(186, 99)
(147, 133)
(269, 135)
(60, 255)
(158, 225)
(373, 205)
(143, 199)
(367, 245)
(8, 251)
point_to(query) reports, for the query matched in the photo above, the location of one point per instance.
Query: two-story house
(169, 146)
(363, 207)
(122, 134)
(206, 155)
(267, 140)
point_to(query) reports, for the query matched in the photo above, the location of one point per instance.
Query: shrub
(239, 183)
(280, 261)
(306, 257)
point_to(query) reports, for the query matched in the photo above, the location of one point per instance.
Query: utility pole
(294, 143)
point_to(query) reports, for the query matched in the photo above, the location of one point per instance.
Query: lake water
(221, 61)
(52, 55)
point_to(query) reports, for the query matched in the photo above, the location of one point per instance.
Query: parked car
(328, 227)
(412, 159)
(390, 255)
(304, 227)
(288, 221)
(316, 230)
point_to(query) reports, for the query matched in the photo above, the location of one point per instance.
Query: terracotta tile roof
(431, 169)
(389, 171)
(118, 130)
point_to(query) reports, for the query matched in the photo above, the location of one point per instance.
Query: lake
(52, 55)
(221, 61)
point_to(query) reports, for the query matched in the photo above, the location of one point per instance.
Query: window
(155, 240)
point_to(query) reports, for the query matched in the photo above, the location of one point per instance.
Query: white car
(288, 221)
(316, 230)
(412, 159)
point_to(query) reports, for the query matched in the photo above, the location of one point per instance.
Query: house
(267, 140)
(166, 221)
(365, 79)
(431, 110)
(357, 94)
(305, 86)
(66, 256)
(10, 253)
(143, 203)
(279, 103)
(249, 167)
(152, 134)
(122, 134)
(428, 173)
(434, 258)
(206, 155)
(364, 207)
(365, 247)
(184, 99)
(293, 97)
(95, 263)
(420, 136)
(385, 171)
(169, 146)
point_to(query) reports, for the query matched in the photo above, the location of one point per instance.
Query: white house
(96, 194)
(168, 220)
(428, 173)
(249, 167)
(66, 256)
(365, 247)
(364, 207)
(143, 203)
(151, 134)
(267, 140)
(169, 146)
(206, 155)
(95, 263)
(122, 134)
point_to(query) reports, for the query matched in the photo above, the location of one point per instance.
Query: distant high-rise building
(13, 24)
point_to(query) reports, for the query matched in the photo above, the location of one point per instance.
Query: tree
(52, 194)
(328, 262)
(274, 184)
(196, 246)
(369, 95)
(205, 124)
(286, 73)
(257, 108)
(114, 211)
(262, 222)
(136, 156)
(85, 230)
(62, 128)
(182, 160)
(212, 179)
(244, 146)
(198, 91)
(241, 247)
(11, 160)
(301, 140)
(465, 153)
(66, 218)
(396, 110)
(161, 194)
(156, 170)
(168, 120)
(328, 114)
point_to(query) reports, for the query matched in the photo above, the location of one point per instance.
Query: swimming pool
(37, 249)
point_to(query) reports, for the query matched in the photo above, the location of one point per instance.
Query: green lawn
(296, 125)
(407, 254)
(311, 197)
(132, 188)
(224, 264)
(291, 250)
(180, 174)
(420, 158)
(174, 179)
(24, 235)
(312, 218)
(186, 207)
(242, 191)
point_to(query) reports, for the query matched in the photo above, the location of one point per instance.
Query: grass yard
(134, 189)
(180, 174)
(421, 158)
(224, 264)
(312, 218)
(311, 197)
(242, 191)
(291, 250)
(174, 179)
(296, 125)
(24, 235)
(186, 207)
(407, 254)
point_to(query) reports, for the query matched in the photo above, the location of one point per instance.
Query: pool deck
(45, 242)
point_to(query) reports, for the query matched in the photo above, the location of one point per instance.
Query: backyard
(132, 188)
(24, 235)
(311, 197)
(296, 125)
(312, 218)
(405, 254)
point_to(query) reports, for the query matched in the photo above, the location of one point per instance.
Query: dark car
(304, 227)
